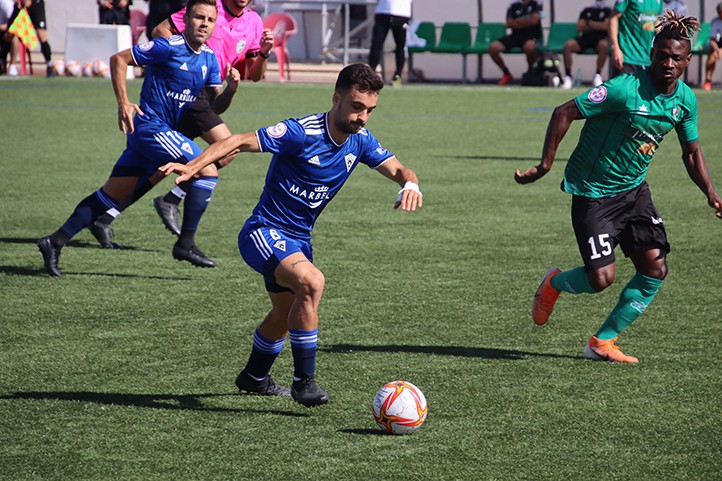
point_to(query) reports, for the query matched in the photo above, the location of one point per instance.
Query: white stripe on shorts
(168, 146)
(261, 244)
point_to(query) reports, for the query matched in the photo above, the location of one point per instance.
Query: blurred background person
(715, 42)
(114, 12)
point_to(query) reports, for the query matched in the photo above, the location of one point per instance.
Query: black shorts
(589, 42)
(516, 40)
(36, 12)
(199, 118)
(628, 219)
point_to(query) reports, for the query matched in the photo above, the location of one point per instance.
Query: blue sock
(196, 202)
(303, 346)
(87, 211)
(262, 356)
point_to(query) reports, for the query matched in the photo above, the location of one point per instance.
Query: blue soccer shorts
(263, 248)
(150, 146)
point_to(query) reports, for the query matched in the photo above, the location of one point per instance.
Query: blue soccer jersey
(174, 75)
(308, 168)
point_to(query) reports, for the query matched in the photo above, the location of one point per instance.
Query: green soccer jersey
(636, 28)
(626, 120)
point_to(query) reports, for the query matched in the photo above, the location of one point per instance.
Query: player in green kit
(626, 120)
(631, 31)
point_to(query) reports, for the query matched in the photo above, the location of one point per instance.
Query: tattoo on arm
(293, 264)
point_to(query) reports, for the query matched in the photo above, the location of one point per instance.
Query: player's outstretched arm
(119, 64)
(696, 166)
(410, 196)
(234, 144)
(558, 127)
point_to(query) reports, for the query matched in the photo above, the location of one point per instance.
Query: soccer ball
(399, 407)
(58, 67)
(73, 68)
(101, 69)
(88, 69)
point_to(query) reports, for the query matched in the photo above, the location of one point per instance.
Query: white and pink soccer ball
(101, 69)
(73, 68)
(399, 407)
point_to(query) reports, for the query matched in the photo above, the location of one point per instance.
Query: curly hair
(672, 25)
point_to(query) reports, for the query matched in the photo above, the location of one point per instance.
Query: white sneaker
(597, 80)
(13, 70)
(567, 83)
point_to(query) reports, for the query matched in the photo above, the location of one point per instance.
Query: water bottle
(578, 79)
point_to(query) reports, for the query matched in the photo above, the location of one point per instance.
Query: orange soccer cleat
(505, 79)
(545, 298)
(599, 350)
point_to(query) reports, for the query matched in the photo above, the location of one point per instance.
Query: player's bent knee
(600, 280)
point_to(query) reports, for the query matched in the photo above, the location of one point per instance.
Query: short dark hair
(360, 76)
(193, 3)
(675, 26)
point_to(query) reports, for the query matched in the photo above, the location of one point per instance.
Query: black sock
(45, 48)
(187, 239)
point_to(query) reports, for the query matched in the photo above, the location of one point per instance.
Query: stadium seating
(427, 31)
(455, 39)
(283, 26)
(559, 33)
(485, 34)
(700, 48)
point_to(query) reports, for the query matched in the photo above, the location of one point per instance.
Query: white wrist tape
(409, 186)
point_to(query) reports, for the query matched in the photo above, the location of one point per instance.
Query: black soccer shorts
(628, 219)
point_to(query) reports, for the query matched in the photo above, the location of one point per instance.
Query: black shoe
(168, 213)
(267, 387)
(51, 255)
(192, 255)
(51, 71)
(307, 392)
(104, 234)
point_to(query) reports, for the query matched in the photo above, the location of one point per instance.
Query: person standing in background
(36, 11)
(391, 15)
(114, 12)
(631, 31)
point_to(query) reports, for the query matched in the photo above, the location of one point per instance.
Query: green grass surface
(124, 368)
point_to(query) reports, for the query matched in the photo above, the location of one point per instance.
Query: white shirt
(6, 9)
(399, 8)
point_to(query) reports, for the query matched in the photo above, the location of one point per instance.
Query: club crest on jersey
(277, 131)
(350, 159)
(146, 46)
(187, 147)
(204, 69)
(675, 113)
(597, 94)
(240, 46)
(280, 245)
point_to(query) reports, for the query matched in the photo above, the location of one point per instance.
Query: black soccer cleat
(168, 213)
(51, 255)
(307, 392)
(104, 234)
(193, 255)
(266, 387)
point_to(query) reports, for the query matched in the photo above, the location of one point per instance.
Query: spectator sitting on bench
(523, 17)
(592, 25)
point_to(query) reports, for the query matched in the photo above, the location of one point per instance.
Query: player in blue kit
(177, 69)
(312, 158)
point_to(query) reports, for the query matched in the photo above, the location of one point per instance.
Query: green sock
(633, 300)
(574, 281)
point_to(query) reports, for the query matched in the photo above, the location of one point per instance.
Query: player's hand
(617, 58)
(529, 175)
(125, 116)
(184, 172)
(267, 41)
(233, 77)
(716, 203)
(409, 200)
